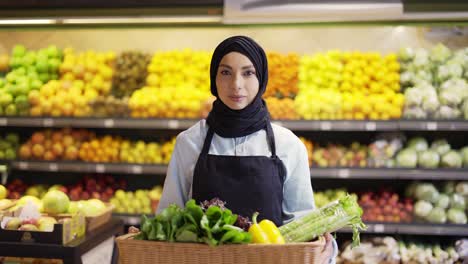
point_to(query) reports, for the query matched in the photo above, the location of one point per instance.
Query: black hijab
(225, 121)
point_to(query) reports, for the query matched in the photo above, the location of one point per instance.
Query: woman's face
(236, 81)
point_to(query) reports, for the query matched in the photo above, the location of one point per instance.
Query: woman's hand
(327, 251)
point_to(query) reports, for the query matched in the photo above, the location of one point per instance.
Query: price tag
(109, 123)
(100, 168)
(343, 173)
(173, 124)
(100, 254)
(379, 228)
(137, 169)
(277, 123)
(23, 165)
(133, 221)
(3, 121)
(431, 126)
(53, 167)
(325, 125)
(47, 122)
(371, 126)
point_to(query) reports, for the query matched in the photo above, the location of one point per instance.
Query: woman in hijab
(236, 154)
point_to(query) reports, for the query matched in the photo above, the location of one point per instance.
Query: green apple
(19, 51)
(13, 224)
(5, 99)
(3, 192)
(10, 110)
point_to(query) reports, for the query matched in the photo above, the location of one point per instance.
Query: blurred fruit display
(177, 85)
(130, 73)
(310, 149)
(101, 149)
(325, 197)
(282, 75)
(4, 63)
(141, 152)
(63, 144)
(137, 202)
(446, 204)
(9, 145)
(389, 250)
(282, 108)
(29, 70)
(386, 206)
(109, 106)
(339, 156)
(349, 85)
(435, 82)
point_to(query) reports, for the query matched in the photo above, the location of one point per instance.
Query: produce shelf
(414, 229)
(390, 173)
(180, 124)
(343, 173)
(77, 166)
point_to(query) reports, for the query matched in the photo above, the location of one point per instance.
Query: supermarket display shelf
(390, 173)
(414, 229)
(343, 173)
(178, 124)
(86, 167)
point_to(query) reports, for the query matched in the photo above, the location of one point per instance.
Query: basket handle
(127, 236)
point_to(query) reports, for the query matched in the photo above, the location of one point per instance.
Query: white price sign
(109, 123)
(48, 122)
(136, 169)
(431, 126)
(325, 125)
(379, 228)
(100, 168)
(173, 124)
(101, 254)
(3, 121)
(53, 167)
(343, 173)
(371, 126)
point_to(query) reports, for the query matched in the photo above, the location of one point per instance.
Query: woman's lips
(236, 98)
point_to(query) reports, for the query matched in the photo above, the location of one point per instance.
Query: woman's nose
(237, 81)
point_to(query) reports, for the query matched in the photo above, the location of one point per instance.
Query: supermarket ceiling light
(13, 22)
(143, 20)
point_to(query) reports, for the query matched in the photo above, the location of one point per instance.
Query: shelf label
(431, 126)
(137, 169)
(325, 125)
(132, 220)
(22, 165)
(379, 228)
(277, 123)
(371, 126)
(343, 173)
(53, 167)
(100, 168)
(173, 124)
(109, 123)
(3, 121)
(100, 254)
(48, 122)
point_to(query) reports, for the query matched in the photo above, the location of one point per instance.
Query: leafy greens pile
(213, 225)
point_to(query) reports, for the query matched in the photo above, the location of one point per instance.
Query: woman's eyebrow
(229, 67)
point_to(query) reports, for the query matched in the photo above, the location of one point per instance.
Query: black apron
(247, 184)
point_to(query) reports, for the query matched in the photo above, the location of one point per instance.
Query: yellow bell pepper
(265, 232)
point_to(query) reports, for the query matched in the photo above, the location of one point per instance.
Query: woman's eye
(225, 72)
(249, 73)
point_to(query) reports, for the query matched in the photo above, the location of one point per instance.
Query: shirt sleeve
(176, 185)
(298, 197)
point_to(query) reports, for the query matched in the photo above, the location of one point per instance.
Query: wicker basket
(145, 252)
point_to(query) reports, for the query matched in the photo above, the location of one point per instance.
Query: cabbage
(449, 70)
(462, 188)
(449, 187)
(417, 143)
(446, 112)
(443, 201)
(457, 201)
(406, 54)
(449, 97)
(422, 76)
(422, 208)
(414, 113)
(464, 153)
(451, 159)
(426, 192)
(430, 104)
(437, 216)
(456, 216)
(413, 97)
(440, 53)
(428, 159)
(441, 146)
(421, 58)
(457, 83)
(407, 158)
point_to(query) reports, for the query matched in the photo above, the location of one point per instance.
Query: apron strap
(271, 139)
(207, 143)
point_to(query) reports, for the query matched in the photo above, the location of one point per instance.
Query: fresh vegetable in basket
(213, 225)
(265, 232)
(338, 214)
